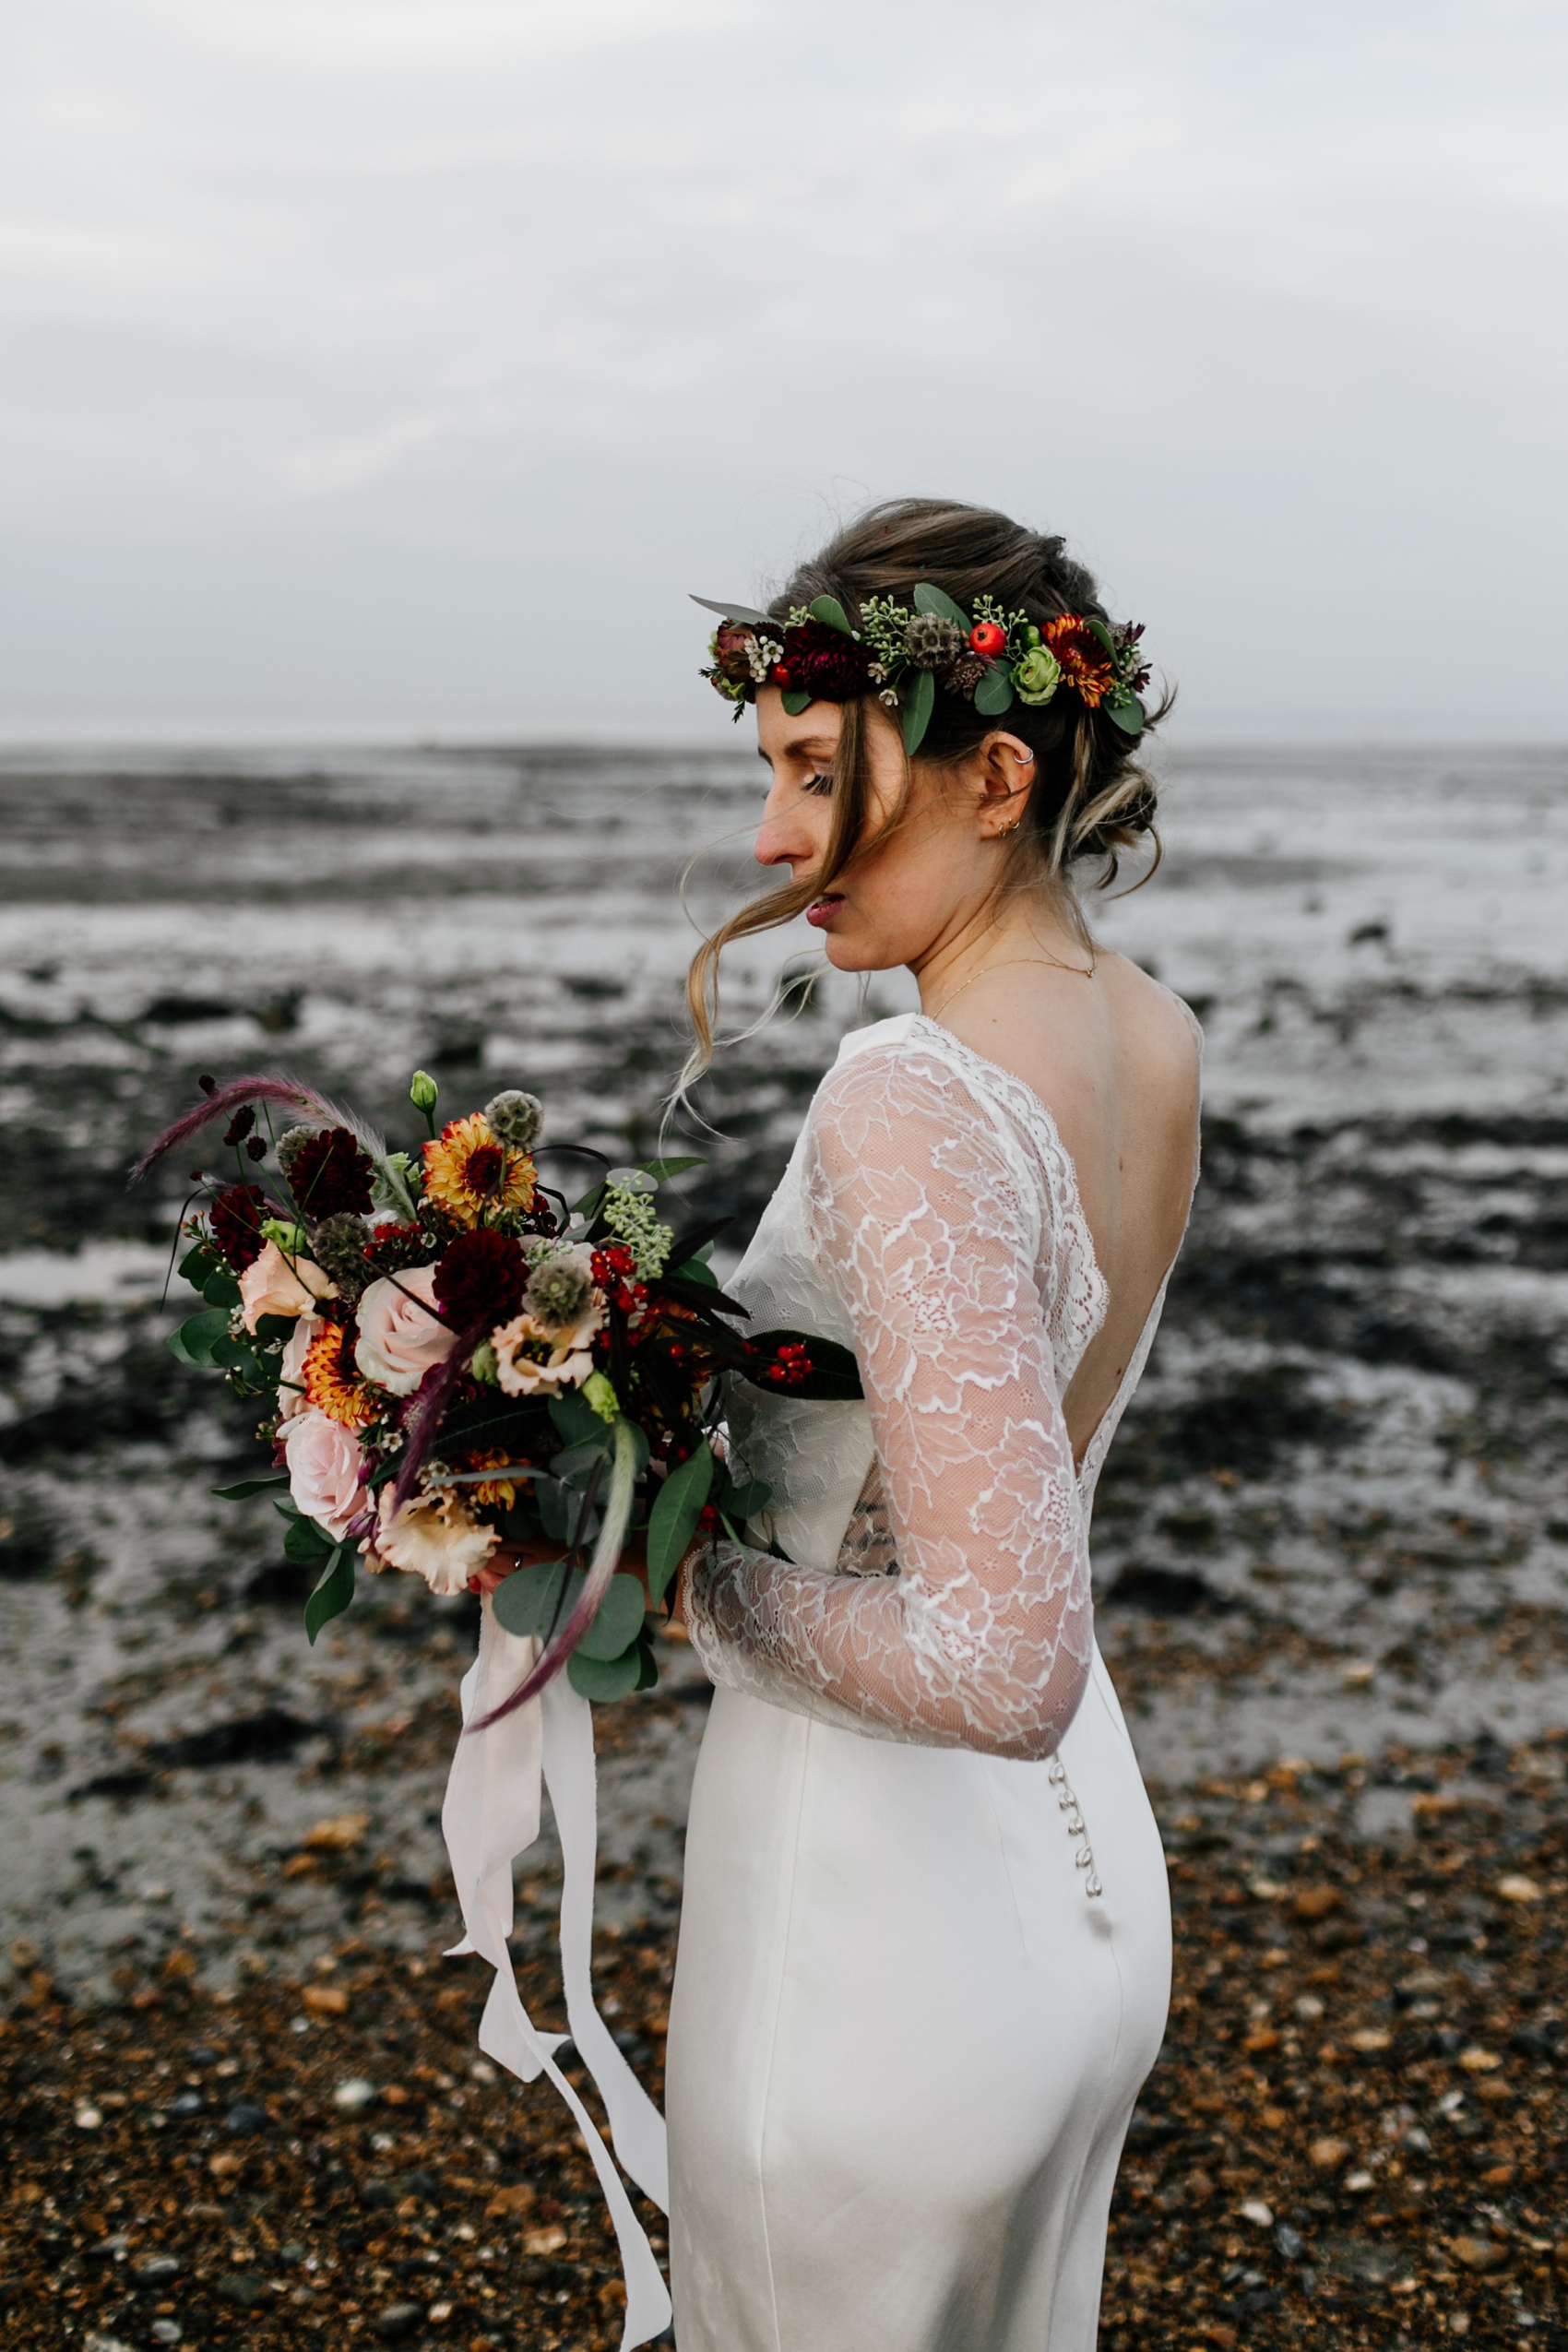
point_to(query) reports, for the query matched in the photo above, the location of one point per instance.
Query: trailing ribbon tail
(491, 1815)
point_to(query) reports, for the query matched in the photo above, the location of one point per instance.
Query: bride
(924, 1952)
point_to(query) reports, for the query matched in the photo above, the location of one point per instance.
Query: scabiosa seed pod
(337, 1245)
(290, 1143)
(560, 1290)
(515, 1118)
(933, 643)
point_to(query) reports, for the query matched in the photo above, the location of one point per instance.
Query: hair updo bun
(1092, 799)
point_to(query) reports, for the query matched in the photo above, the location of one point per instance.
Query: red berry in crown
(989, 639)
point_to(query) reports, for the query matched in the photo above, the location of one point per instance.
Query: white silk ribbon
(491, 1815)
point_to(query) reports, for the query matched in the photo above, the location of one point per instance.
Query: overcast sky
(400, 365)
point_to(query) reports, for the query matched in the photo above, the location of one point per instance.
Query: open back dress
(925, 1947)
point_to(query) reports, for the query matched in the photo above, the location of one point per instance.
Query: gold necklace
(1054, 962)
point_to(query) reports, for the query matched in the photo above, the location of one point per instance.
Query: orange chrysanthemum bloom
(499, 1492)
(332, 1382)
(469, 1171)
(1085, 662)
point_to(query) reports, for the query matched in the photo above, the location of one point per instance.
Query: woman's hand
(507, 1558)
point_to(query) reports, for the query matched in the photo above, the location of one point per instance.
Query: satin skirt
(904, 2040)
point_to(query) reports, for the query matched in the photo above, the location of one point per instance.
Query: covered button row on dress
(1070, 1806)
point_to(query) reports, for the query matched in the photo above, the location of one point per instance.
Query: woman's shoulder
(914, 1083)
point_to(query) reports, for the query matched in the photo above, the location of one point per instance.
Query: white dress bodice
(929, 1218)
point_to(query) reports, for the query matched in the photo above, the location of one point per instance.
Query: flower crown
(989, 658)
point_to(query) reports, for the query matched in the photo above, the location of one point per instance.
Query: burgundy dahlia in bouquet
(452, 1360)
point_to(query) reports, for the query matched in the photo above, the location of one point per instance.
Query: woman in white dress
(925, 1954)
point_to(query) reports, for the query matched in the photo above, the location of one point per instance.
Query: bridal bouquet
(451, 1359)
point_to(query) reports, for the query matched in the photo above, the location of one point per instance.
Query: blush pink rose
(324, 1460)
(274, 1285)
(400, 1334)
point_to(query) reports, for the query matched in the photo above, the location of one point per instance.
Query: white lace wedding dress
(925, 1945)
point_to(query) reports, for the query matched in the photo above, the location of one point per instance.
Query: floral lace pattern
(930, 1210)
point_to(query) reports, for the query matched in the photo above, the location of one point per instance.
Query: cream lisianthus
(438, 1540)
(276, 1284)
(534, 1358)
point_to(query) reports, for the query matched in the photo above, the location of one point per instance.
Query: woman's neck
(1034, 931)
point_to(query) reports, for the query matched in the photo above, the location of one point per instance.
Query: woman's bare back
(1115, 1059)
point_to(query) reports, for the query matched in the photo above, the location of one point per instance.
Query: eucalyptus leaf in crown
(989, 658)
(452, 1362)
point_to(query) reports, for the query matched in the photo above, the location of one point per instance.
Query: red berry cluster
(791, 1367)
(615, 1271)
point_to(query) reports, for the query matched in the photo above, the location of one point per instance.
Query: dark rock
(1166, 1592)
(245, 2116)
(251, 1738)
(243, 2288)
(172, 1010)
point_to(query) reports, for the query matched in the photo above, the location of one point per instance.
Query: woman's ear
(1006, 771)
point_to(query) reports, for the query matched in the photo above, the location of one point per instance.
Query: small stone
(339, 1833)
(398, 2320)
(1360, 2182)
(1369, 2039)
(1517, 1888)
(1289, 2240)
(245, 2116)
(87, 2119)
(225, 2164)
(1317, 1902)
(1257, 2212)
(1359, 1674)
(156, 2272)
(165, 2331)
(517, 2199)
(1307, 2008)
(95, 2342)
(1478, 2253)
(353, 2095)
(1480, 2062)
(325, 2000)
(1328, 2155)
(244, 2289)
(544, 2242)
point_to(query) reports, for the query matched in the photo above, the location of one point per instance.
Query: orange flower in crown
(332, 1382)
(473, 1175)
(1086, 664)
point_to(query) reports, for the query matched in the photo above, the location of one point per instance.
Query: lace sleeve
(925, 1217)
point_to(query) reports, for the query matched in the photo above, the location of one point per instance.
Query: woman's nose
(783, 838)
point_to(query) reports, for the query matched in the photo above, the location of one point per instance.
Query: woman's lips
(822, 910)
